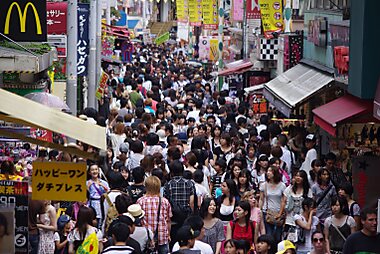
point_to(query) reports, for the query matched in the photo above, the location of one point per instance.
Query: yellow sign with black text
(24, 20)
(59, 181)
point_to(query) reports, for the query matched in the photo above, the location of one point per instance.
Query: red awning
(339, 110)
(239, 66)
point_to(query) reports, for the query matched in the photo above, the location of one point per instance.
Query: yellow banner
(271, 17)
(90, 245)
(59, 181)
(214, 49)
(210, 14)
(195, 12)
(182, 10)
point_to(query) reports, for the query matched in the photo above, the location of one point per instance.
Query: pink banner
(238, 10)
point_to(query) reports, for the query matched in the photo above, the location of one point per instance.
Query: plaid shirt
(179, 190)
(150, 206)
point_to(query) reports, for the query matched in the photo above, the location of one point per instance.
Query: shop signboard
(102, 85)
(14, 197)
(183, 31)
(195, 12)
(214, 52)
(253, 9)
(163, 38)
(210, 14)
(56, 15)
(59, 181)
(182, 10)
(60, 42)
(271, 17)
(204, 47)
(147, 39)
(317, 31)
(83, 38)
(24, 20)
(340, 40)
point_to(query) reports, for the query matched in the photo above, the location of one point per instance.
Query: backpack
(112, 212)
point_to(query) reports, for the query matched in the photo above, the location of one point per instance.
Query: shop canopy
(295, 86)
(236, 67)
(341, 110)
(19, 110)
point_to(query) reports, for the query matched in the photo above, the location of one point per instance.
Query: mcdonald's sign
(24, 20)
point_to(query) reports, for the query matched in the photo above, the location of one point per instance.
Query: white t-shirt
(294, 201)
(141, 236)
(307, 246)
(199, 245)
(74, 235)
(310, 156)
(194, 114)
(350, 221)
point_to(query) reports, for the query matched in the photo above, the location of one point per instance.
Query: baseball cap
(283, 246)
(310, 137)
(124, 148)
(161, 135)
(185, 233)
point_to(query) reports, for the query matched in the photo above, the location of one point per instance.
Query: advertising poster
(14, 208)
(340, 42)
(253, 9)
(271, 17)
(214, 53)
(59, 181)
(204, 47)
(56, 17)
(183, 31)
(210, 14)
(182, 10)
(41, 134)
(238, 10)
(102, 85)
(195, 12)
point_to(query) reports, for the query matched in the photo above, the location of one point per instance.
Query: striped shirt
(119, 250)
(150, 206)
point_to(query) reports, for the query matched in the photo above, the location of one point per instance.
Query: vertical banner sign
(238, 10)
(271, 17)
(83, 39)
(213, 49)
(59, 181)
(15, 194)
(24, 20)
(183, 31)
(210, 14)
(182, 10)
(195, 12)
(56, 15)
(102, 85)
(204, 47)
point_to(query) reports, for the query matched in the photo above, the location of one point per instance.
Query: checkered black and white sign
(268, 49)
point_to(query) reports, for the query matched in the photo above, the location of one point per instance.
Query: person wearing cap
(124, 154)
(286, 247)
(196, 223)
(311, 153)
(186, 240)
(143, 235)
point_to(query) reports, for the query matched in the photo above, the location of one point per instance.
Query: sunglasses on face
(318, 240)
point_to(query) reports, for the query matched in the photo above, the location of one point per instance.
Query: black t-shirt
(136, 192)
(361, 243)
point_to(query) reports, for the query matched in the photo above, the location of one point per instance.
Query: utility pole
(220, 42)
(108, 13)
(98, 40)
(92, 56)
(71, 71)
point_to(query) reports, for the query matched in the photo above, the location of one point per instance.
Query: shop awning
(295, 86)
(239, 66)
(346, 107)
(23, 111)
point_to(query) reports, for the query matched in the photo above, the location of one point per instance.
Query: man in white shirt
(263, 124)
(287, 155)
(196, 224)
(311, 153)
(196, 106)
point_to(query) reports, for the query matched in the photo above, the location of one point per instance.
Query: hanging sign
(59, 181)
(56, 14)
(163, 38)
(271, 17)
(83, 38)
(210, 14)
(195, 12)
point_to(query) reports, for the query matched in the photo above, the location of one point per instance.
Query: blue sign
(123, 19)
(83, 38)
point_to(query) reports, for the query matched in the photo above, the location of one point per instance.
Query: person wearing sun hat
(286, 247)
(140, 233)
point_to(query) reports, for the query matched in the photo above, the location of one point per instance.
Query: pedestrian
(366, 240)
(265, 245)
(336, 174)
(227, 201)
(230, 246)
(319, 243)
(311, 153)
(47, 226)
(186, 240)
(36, 207)
(339, 226)
(60, 237)
(120, 234)
(346, 191)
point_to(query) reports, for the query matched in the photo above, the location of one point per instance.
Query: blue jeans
(273, 230)
(34, 240)
(163, 249)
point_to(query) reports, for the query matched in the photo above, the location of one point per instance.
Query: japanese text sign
(163, 38)
(238, 10)
(182, 10)
(15, 195)
(195, 12)
(253, 9)
(271, 17)
(56, 15)
(102, 85)
(59, 181)
(210, 14)
(23, 20)
(83, 38)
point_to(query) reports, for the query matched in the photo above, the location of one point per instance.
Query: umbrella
(171, 42)
(49, 100)
(193, 63)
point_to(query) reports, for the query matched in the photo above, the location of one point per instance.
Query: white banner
(183, 31)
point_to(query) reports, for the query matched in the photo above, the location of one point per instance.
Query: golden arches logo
(22, 17)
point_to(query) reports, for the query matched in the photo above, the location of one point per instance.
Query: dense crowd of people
(191, 169)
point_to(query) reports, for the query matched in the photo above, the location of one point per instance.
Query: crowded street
(205, 127)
